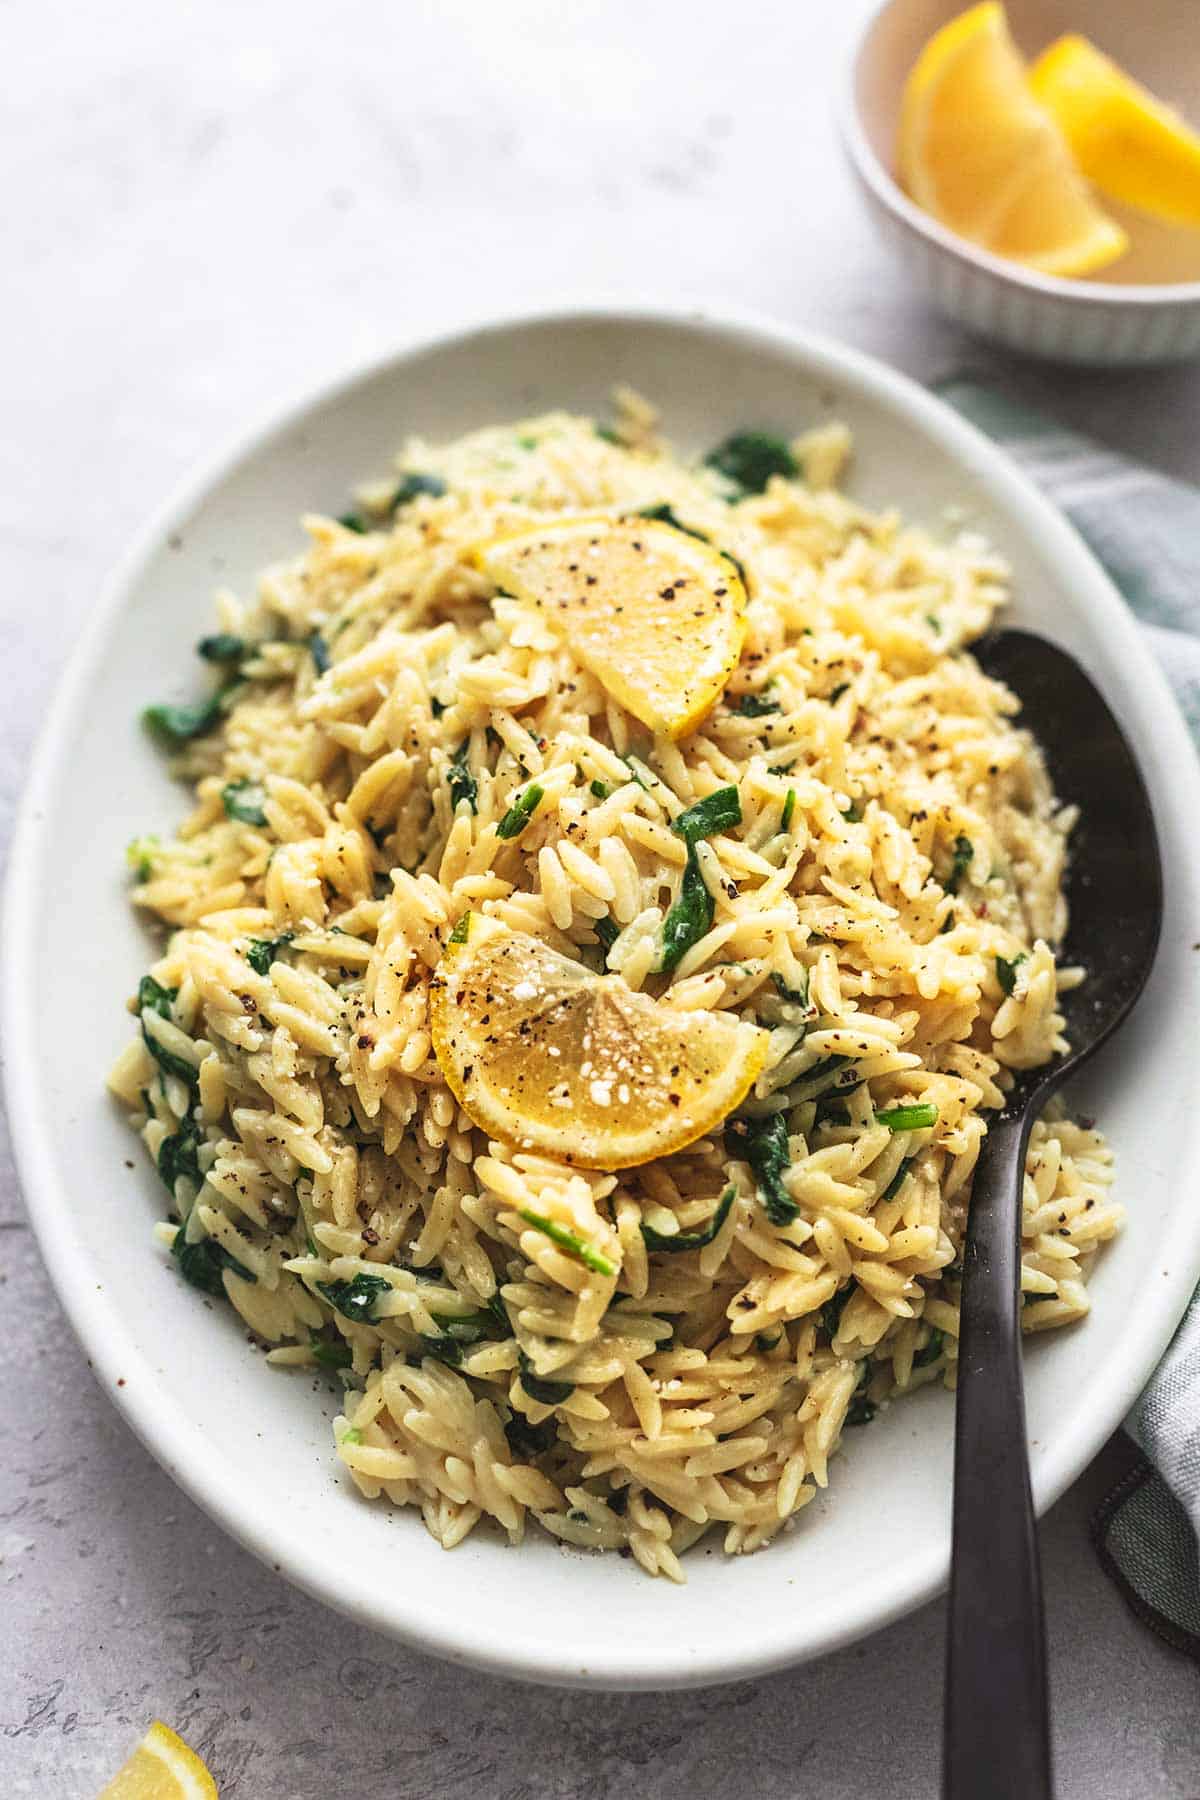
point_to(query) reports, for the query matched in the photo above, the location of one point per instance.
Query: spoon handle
(997, 1726)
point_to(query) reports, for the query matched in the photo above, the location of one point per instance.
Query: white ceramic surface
(251, 1444)
(1146, 309)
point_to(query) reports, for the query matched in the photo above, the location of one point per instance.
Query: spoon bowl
(1114, 877)
(997, 1728)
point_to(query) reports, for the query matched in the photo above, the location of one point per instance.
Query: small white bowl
(1147, 310)
(252, 1444)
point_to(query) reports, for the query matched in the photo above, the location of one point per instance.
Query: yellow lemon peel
(1130, 145)
(162, 1767)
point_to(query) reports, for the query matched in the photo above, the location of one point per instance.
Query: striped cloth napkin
(1145, 529)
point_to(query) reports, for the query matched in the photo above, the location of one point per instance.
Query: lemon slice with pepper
(657, 615)
(548, 1057)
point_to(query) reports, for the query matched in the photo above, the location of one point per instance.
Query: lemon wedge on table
(1130, 145)
(657, 615)
(979, 152)
(161, 1768)
(549, 1057)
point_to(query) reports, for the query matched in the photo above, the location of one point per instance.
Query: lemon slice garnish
(980, 153)
(548, 1057)
(1132, 146)
(161, 1768)
(657, 615)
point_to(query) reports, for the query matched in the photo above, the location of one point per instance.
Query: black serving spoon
(997, 1724)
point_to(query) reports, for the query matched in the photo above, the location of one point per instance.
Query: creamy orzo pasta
(766, 902)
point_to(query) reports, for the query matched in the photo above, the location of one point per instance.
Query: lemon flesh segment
(162, 1767)
(656, 615)
(548, 1057)
(978, 151)
(1131, 146)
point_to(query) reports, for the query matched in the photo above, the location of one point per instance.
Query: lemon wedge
(1132, 146)
(162, 1768)
(657, 615)
(548, 1057)
(979, 152)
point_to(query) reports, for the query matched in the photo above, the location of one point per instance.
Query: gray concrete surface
(207, 205)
